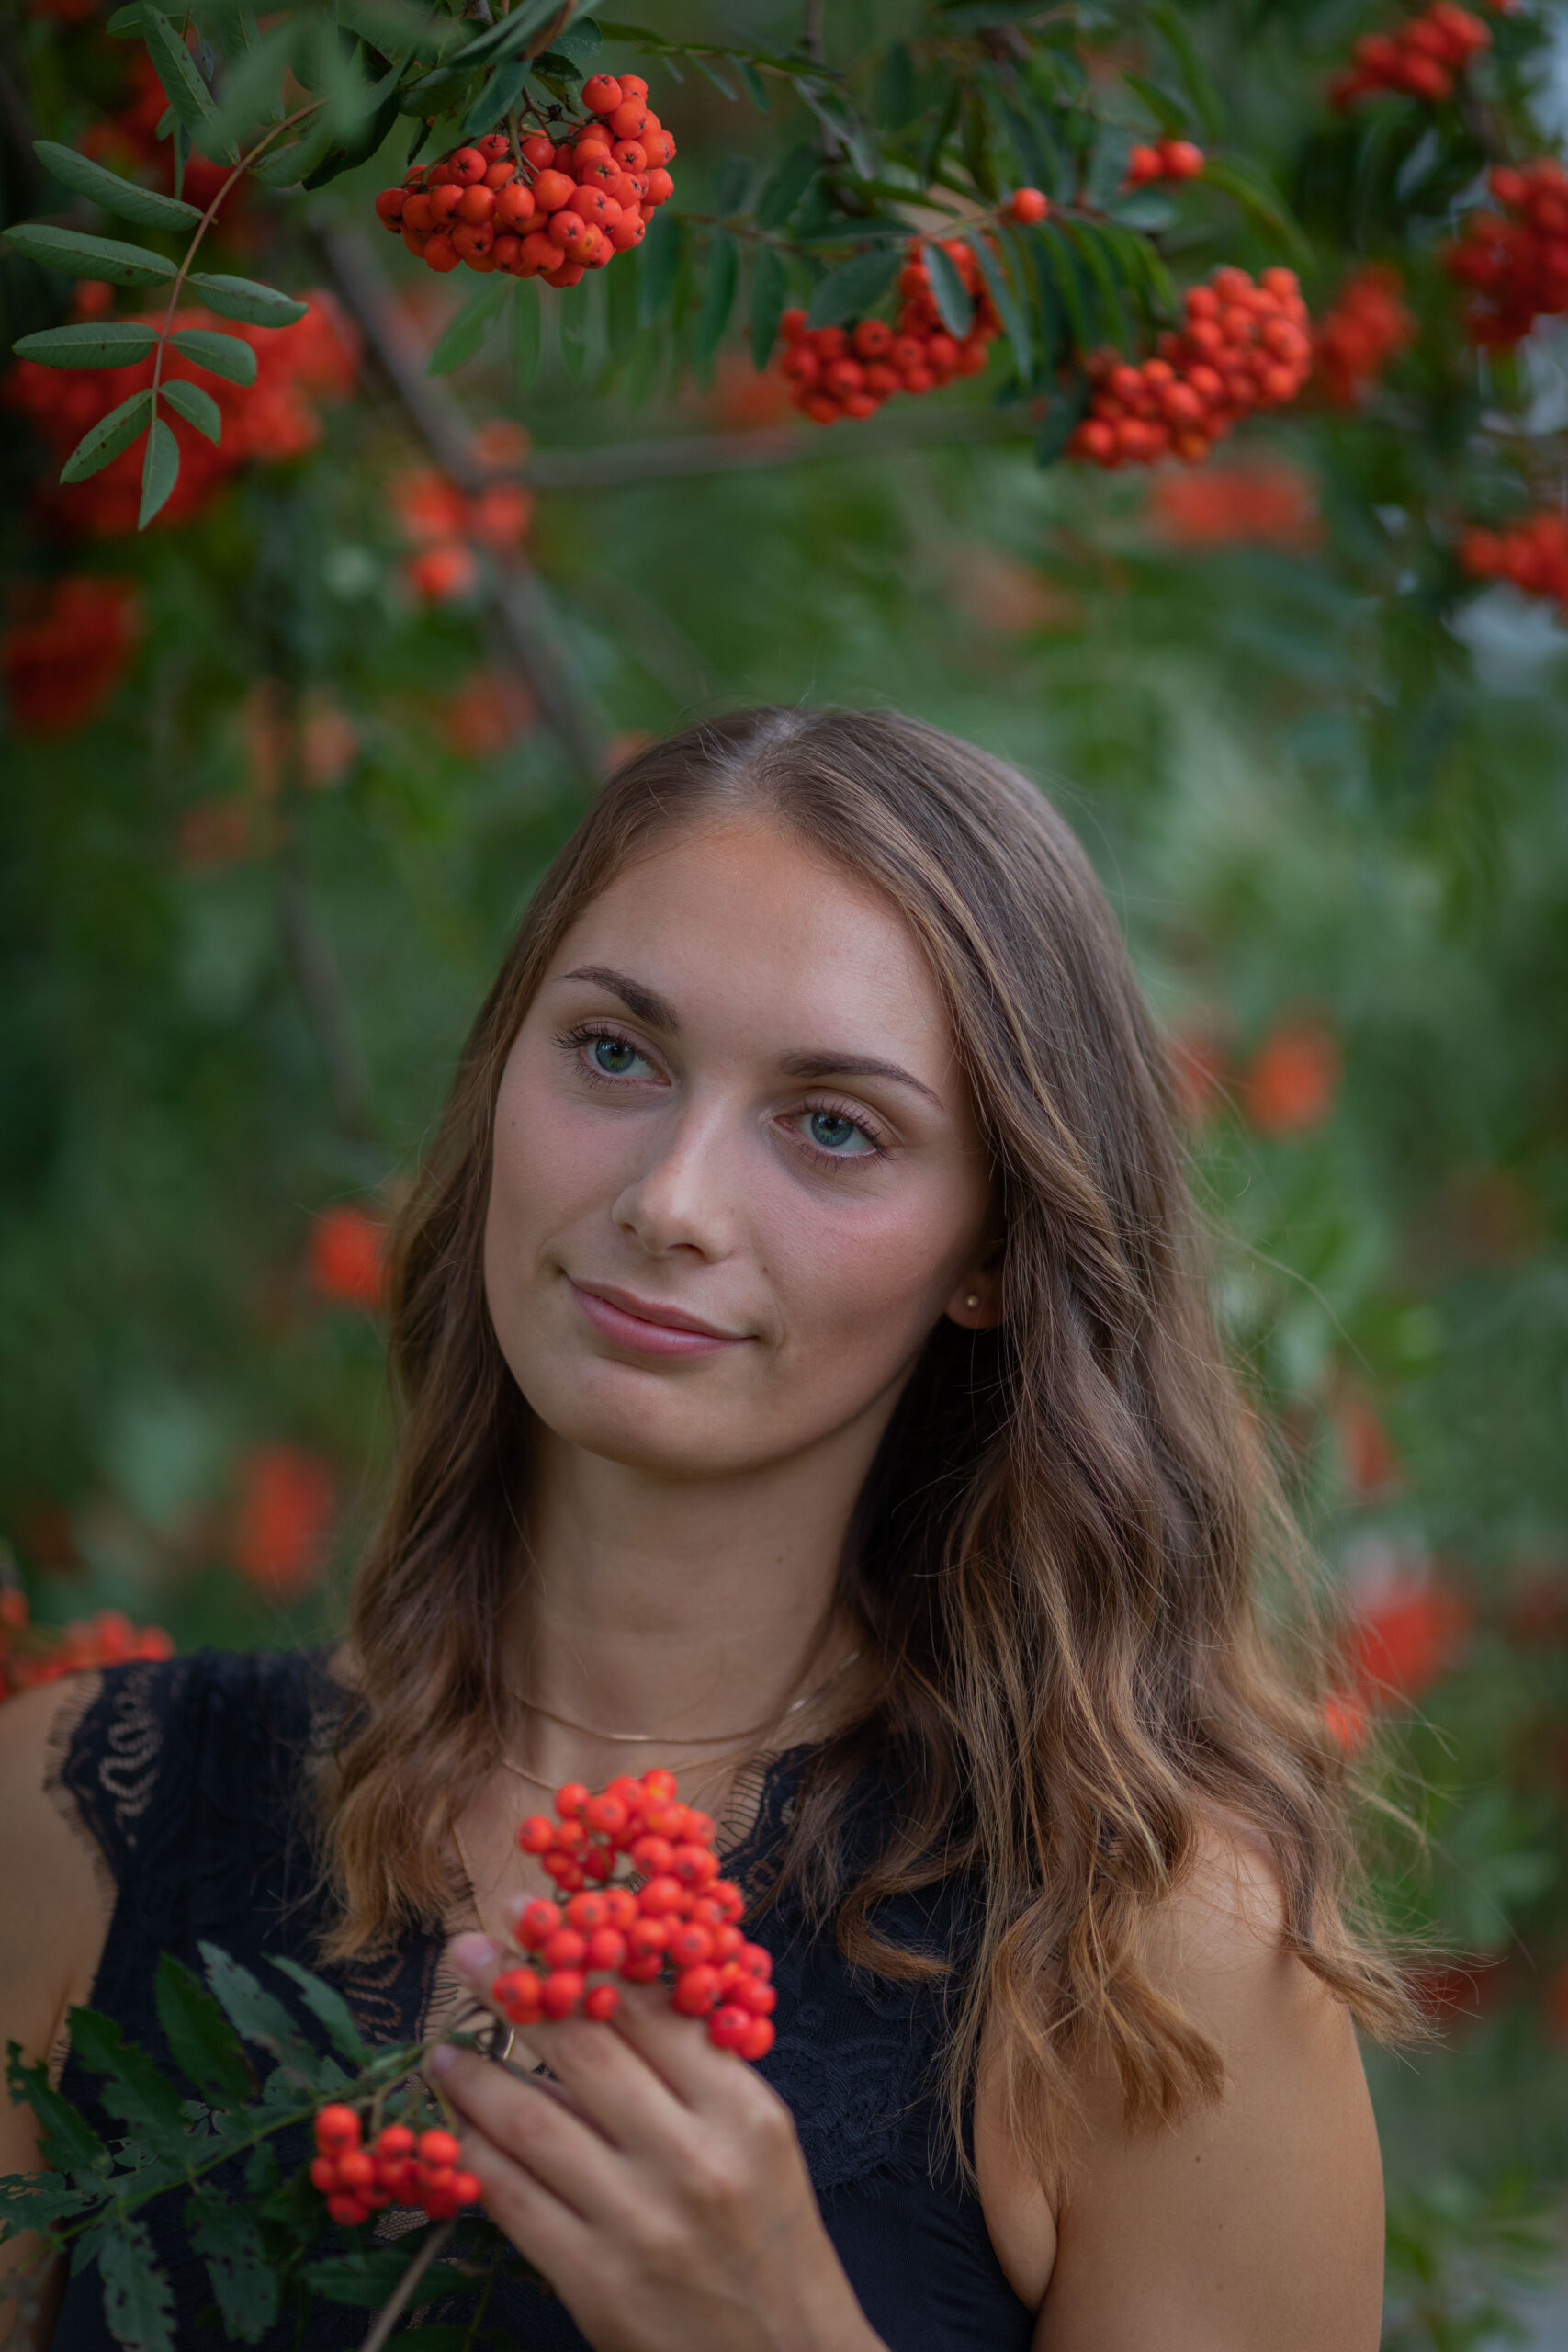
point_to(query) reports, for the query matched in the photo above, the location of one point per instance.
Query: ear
(977, 1304)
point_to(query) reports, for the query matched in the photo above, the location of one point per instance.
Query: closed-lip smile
(647, 1326)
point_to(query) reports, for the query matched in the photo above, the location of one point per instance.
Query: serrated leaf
(187, 92)
(770, 289)
(111, 434)
(258, 2016)
(247, 298)
(325, 2002)
(196, 407)
(138, 2303)
(718, 296)
(68, 2141)
(145, 205)
(112, 343)
(948, 291)
(83, 256)
(132, 2086)
(40, 2200)
(227, 355)
(849, 291)
(786, 183)
(243, 2282)
(1008, 308)
(160, 471)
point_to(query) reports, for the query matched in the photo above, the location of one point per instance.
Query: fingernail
(471, 1955)
(442, 2058)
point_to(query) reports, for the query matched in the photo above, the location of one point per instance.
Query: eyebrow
(660, 1014)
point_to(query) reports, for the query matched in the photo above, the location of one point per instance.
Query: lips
(646, 1325)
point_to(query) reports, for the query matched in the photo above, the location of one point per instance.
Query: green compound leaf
(68, 2141)
(948, 291)
(83, 256)
(111, 434)
(718, 296)
(160, 471)
(132, 2086)
(467, 331)
(323, 2001)
(1009, 310)
(138, 2305)
(221, 354)
(145, 205)
(769, 288)
(259, 2015)
(113, 342)
(243, 2283)
(507, 38)
(849, 291)
(187, 93)
(196, 407)
(200, 2038)
(247, 298)
(786, 183)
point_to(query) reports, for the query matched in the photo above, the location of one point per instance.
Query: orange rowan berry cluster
(30, 1655)
(66, 651)
(1243, 346)
(850, 371)
(1422, 59)
(1533, 555)
(1368, 325)
(550, 209)
(1516, 260)
(680, 1917)
(398, 2167)
(1170, 159)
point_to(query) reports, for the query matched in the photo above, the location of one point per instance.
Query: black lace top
(187, 1776)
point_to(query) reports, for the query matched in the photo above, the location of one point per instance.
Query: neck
(684, 1610)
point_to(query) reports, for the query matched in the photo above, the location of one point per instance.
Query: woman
(808, 1385)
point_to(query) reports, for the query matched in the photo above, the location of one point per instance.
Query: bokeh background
(281, 773)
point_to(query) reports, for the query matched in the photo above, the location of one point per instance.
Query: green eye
(831, 1131)
(613, 1057)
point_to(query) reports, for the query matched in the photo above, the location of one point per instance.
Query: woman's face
(736, 1178)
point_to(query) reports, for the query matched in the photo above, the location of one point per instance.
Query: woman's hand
(664, 2197)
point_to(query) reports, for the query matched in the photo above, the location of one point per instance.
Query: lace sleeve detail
(107, 1753)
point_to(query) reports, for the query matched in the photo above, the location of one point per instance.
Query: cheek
(870, 1278)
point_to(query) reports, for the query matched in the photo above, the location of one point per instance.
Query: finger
(541, 2225)
(560, 2150)
(677, 2048)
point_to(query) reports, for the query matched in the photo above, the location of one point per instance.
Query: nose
(682, 1197)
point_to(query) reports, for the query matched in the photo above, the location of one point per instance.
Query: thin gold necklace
(659, 1738)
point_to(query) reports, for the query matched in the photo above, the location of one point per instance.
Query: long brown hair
(1057, 1555)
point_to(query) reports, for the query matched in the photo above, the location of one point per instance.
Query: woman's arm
(1256, 2224)
(52, 1923)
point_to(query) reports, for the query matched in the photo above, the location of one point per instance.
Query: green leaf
(200, 2038)
(41, 2201)
(244, 2281)
(1099, 257)
(138, 2305)
(112, 343)
(658, 268)
(948, 290)
(849, 291)
(245, 298)
(196, 407)
(1011, 311)
(83, 256)
(1059, 271)
(361, 115)
(292, 165)
(718, 296)
(67, 2140)
(258, 2014)
(187, 92)
(464, 333)
(1252, 188)
(580, 40)
(1168, 111)
(509, 36)
(122, 197)
(1196, 79)
(770, 291)
(132, 2086)
(525, 332)
(221, 354)
(111, 434)
(325, 2002)
(399, 29)
(499, 95)
(786, 183)
(160, 471)
(756, 88)
(363, 2280)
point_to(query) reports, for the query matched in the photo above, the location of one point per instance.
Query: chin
(645, 1420)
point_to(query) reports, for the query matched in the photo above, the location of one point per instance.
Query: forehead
(737, 915)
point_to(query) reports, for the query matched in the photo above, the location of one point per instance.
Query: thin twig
(563, 702)
(398, 2301)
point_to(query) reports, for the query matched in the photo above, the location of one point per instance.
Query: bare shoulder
(1257, 2218)
(51, 1939)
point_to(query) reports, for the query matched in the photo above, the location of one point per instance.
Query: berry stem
(398, 2301)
